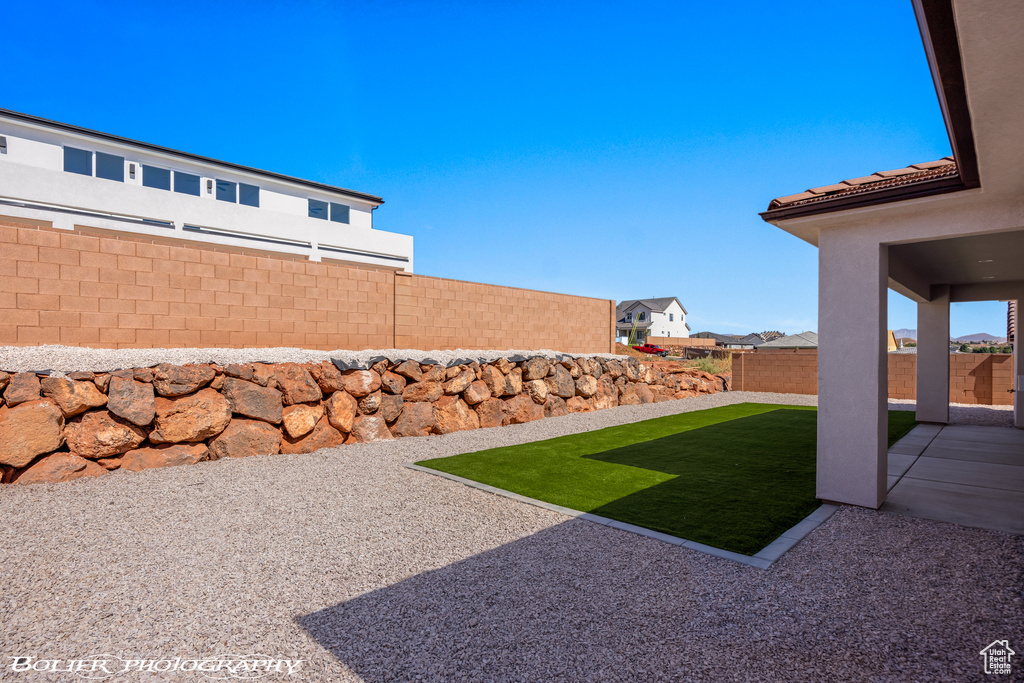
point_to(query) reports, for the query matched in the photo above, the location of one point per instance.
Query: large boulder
(369, 428)
(586, 386)
(555, 407)
(495, 380)
(252, 400)
(178, 380)
(100, 434)
(589, 366)
(300, 419)
(514, 382)
(417, 419)
(521, 408)
(606, 396)
(410, 369)
(295, 384)
(244, 437)
(391, 407)
(326, 375)
(369, 404)
(72, 397)
(132, 400)
(628, 396)
(561, 382)
(536, 368)
(58, 467)
(165, 455)
(29, 430)
(433, 373)
(322, 436)
(423, 391)
(537, 389)
(645, 393)
(341, 411)
(22, 387)
(476, 392)
(194, 417)
(360, 383)
(392, 383)
(491, 412)
(578, 404)
(459, 382)
(451, 414)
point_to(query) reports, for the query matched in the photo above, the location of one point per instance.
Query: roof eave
(108, 137)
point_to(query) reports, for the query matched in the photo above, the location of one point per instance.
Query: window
(227, 191)
(317, 209)
(160, 178)
(339, 213)
(248, 194)
(640, 317)
(186, 183)
(77, 161)
(629, 317)
(110, 166)
(671, 317)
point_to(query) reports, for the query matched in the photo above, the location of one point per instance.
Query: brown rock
(30, 429)
(5, 379)
(111, 463)
(392, 383)
(555, 407)
(78, 376)
(632, 370)
(606, 396)
(589, 366)
(167, 455)
(417, 419)
(101, 382)
(360, 383)
(194, 417)
(645, 393)
(537, 389)
(327, 376)
(178, 380)
(578, 404)
(423, 391)
(614, 368)
(323, 436)
(409, 369)
(453, 415)
(370, 403)
(263, 374)
(242, 438)
(218, 382)
(561, 383)
(433, 373)
(504, 365)
(6, 474)
(521, 408)
(452, 372)
(572, 366)
(459, 383)
(514, 382)
(143, 374)
(72, 397)
(476, 392)
(22, 387)
(586, 386)
(380, 367)
(628, 396)
(99, 434)
(253, 400)
(239, 371)
(536, 368)
(491, 412)
(300, 419)
(341, 410)
(495, 380)
(295, 384)
(134, 401)
(58, 467)
(369, 428)
(391, 407)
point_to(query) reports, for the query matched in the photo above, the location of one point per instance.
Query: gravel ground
(370, 571)
(70, 358)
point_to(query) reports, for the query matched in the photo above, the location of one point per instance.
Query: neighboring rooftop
(804, 340)
(658, 304)
(902, 183)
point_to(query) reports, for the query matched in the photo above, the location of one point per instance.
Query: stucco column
(933, 357)
(852, 368)
(1018, 369)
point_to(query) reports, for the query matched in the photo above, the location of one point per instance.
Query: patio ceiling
(995, 260)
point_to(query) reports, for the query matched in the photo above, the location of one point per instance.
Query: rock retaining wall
(56, 427)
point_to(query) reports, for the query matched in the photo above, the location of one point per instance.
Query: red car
(651, 349)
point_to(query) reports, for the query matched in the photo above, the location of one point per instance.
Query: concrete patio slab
(977, 433)
(1012, 456)
(972, 473)
(899, 463)
(958, 503)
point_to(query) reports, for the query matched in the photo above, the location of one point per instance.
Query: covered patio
(939, 232)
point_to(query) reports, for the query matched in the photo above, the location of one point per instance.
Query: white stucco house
(939, 232)
(663, 317)
(63, 175)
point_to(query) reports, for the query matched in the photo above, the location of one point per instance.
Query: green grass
(734, 477)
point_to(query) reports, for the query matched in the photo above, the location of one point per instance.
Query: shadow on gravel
(567, 603)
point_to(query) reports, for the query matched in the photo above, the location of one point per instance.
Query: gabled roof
(659, 304)
(858, 191)
(804, 340)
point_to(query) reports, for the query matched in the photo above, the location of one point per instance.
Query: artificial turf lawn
(734, 477)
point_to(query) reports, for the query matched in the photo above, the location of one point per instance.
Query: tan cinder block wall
(435, 313)
(107, 291)
(680, 341)
(974, 378)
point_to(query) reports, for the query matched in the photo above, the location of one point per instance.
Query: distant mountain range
(905, 334)
(980, 337)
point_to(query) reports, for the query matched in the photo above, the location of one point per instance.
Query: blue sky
(615, 150)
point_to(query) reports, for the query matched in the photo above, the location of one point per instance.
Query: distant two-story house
(663, 317)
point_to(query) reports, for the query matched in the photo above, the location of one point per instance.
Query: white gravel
(370, 571)
(71, 358)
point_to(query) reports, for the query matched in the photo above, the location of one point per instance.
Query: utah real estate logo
(997, 657)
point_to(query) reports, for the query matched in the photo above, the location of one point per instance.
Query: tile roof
(804, 340)
(883, 180)
(658, 304)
